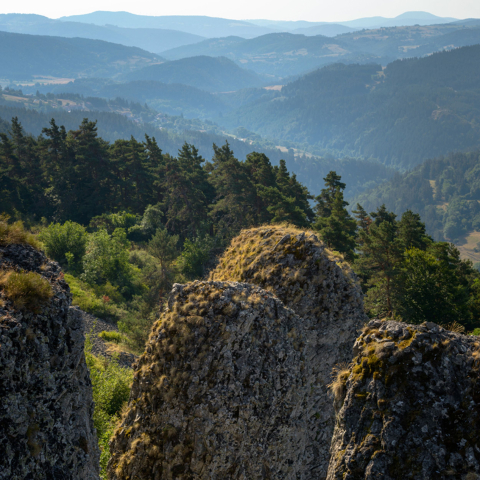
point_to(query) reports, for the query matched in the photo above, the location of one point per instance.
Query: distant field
(467, 246)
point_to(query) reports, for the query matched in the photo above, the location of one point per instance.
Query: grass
(27, 290)
(111, 385)
(87, 299)
(115, 337)
(15, 233)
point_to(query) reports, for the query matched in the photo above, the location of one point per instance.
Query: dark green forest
(444, 191)
(113, 126)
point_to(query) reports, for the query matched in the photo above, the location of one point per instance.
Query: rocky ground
(93, 326)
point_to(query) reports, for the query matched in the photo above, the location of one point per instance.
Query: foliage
(336, 227)
(407, 276)
(111, 390)
(65, 243)
(194, 257)
(444, 191)
(112, 336)
(27, 290)
(106, 259)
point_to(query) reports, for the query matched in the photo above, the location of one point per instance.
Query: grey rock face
(222, 391)
(46, 406)
(319, 287)
(411, 406)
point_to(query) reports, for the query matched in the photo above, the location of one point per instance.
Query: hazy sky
(312, 10)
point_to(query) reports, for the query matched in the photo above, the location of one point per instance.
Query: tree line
(128, 220)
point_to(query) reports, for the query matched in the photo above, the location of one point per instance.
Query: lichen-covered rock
(411, 406)
(222, 391)
(46, 407)
(321, 288)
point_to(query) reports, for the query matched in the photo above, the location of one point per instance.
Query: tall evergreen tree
(338, 229)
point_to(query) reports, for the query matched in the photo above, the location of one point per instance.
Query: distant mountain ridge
(26, 56)
(151, 39)
(212, 27)
(197, 25)
(288, 54)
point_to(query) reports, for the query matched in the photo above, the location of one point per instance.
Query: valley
(227, 243)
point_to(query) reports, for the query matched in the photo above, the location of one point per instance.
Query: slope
(25, 56)
(208, 73)
(413, 110)
(278, 54)
(445, 191)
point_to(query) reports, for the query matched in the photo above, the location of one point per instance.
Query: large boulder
(46, 406)
(319, 287)
(410, 406)
(223, 390)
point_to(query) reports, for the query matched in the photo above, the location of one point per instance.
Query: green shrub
(91, 298)
(111, 385)
(27, 290)
(65, 243)
(476, 332)
(195, 256)
(115, 337)
(107, 258)
(15, 233)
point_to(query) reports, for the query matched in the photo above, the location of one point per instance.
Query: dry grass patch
(15, 233)
(27, 290)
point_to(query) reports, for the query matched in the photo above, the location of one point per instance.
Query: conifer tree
(338, 229)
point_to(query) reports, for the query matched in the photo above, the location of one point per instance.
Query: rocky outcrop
(409, 406)
(46, 407)
(321, 288)
(223, 390)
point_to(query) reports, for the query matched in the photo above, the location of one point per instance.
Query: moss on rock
(415, 388)
(222, 391)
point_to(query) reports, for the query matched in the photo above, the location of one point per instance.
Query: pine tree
(324, 201)
(233, 208)
(378, 263)
(338, 229)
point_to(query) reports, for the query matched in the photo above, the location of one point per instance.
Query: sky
(311, 10)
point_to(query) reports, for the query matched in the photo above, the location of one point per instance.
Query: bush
(115, 337)
(107, 258)
(111, 385)
(27, 290)
(195, 256)
(90, 298)
(15, 233)
(65, 243)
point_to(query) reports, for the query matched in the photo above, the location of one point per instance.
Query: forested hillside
(444, 191)
(25, 56)
(207, 73)
(413, 110)
(286, 54)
